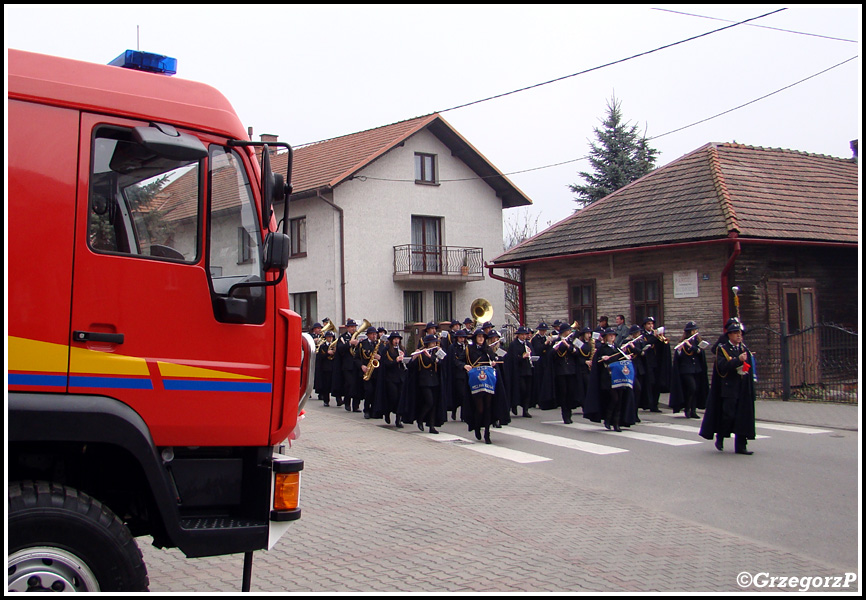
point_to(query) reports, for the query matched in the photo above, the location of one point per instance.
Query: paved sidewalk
(389, 511)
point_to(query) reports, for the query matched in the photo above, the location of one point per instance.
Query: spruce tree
(620, 157)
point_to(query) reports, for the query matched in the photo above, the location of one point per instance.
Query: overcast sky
(309, 73)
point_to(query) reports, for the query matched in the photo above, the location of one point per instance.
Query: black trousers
(566, 388)
(615, 399)
(524, 389)
(425, 404)
(689, 383)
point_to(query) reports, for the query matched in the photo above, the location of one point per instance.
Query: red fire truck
(155, 370)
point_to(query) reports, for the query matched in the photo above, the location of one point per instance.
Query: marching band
(467, 370)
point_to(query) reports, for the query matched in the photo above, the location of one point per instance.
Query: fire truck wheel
(63, 540)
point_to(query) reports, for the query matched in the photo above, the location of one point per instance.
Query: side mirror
(273, 185)
(275, 254)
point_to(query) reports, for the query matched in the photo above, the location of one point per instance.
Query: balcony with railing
(414, 262)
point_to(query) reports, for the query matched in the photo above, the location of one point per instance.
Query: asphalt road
(550, 508)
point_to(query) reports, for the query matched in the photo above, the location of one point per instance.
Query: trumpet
(329, 326)
(660, 334)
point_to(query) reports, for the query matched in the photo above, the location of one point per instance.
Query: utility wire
(622, 60)
(826, 37)
(753, 101)
(365, 177)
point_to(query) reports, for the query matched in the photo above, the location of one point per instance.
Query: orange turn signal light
(287, 491)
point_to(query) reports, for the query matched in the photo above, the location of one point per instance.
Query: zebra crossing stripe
(688, 428)
(555, 440)
(489, 449)
(634, 435)
(792, 428)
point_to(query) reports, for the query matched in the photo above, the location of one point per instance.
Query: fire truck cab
(155, 368)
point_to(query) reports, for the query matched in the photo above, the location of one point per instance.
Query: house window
(245, 245)
(426, 245)
(305, 305)
(582, 302)
(298, 237)
(425, 168)
(442, 306)
(646, 298)
(412, 305)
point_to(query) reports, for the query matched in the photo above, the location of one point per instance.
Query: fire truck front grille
(219, 523)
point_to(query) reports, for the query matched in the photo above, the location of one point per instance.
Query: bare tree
(520, 225)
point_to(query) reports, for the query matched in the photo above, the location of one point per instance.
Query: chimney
(854, 147)
(266, 138)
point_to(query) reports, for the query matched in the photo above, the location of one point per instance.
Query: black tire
(61, 538)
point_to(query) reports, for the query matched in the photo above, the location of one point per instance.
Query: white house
(394, 224)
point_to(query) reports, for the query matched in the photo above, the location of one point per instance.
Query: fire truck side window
(234, 254)
(140, 203)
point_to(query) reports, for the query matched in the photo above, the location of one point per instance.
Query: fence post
(786, 363)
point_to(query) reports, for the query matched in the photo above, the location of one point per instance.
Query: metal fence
(818, 363)
(438, 260)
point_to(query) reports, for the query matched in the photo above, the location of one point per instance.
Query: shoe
(526, 414)
(694, 415)
(636, 419)
(514, 410)
(616, 428)
(327, 403)
(348, 407)
(497, 425)
(607, 425)
(720, 443)
(357, 410)
(433, 430)
(420, 425)
(388, 418)
(339, 402)
(477, 434)
(744, 451)
(655, 410)
(453, 415)
(487, 438)
(399, 424)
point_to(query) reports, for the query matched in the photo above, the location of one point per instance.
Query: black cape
(744, 415)
(676, 400)
(595, 403)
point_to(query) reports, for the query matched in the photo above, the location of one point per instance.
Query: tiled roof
(713, 191)
(328, 163)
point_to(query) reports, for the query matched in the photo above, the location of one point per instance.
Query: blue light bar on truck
(146, 61)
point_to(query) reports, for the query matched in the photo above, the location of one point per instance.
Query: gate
(818, 363)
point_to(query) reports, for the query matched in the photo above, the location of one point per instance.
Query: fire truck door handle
(95, 336)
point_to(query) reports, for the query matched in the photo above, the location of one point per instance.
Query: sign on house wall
(686, 284)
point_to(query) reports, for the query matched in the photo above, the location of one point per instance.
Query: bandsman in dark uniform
(429, 329)
(689, 385)
(391, 378)
(422, 398)
(367, 352)
(349, 374)
(584, 361)
(519, 367)
(325, 367)
(540, 348)
(656, 355)
(563, 357)
(480, 409)
(459, 378)
(731, 405)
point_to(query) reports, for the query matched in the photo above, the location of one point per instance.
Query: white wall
(378, 217)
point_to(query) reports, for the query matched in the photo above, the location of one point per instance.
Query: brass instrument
(364, 326)
(481, 310)
(328, 327)
(660, 334)
(373, 364)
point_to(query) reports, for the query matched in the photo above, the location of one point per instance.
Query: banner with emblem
(482, 379)
(621, 374)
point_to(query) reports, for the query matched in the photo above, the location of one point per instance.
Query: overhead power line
(616, 62)
(565, 162)
(826, 37)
